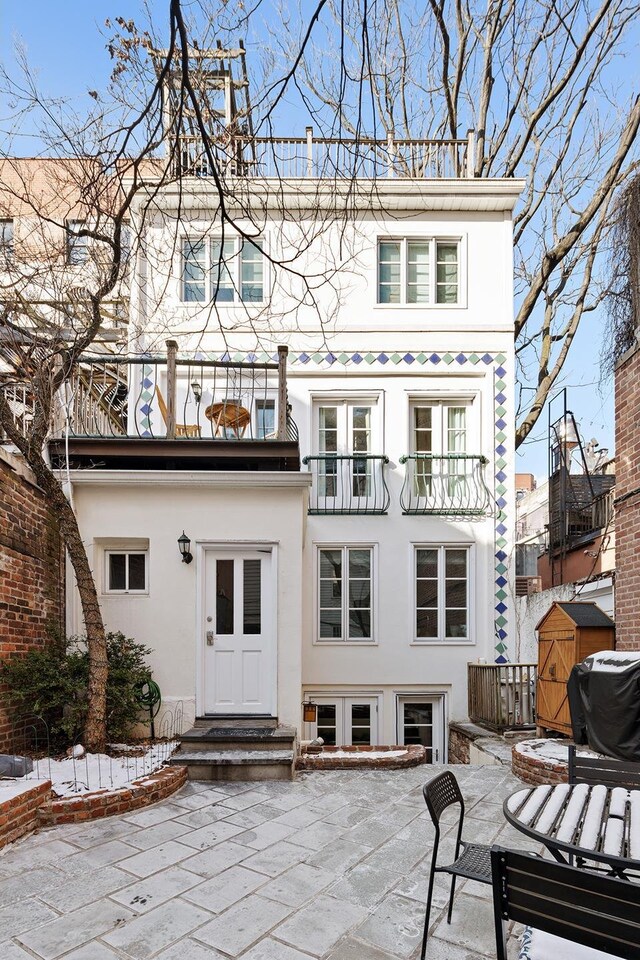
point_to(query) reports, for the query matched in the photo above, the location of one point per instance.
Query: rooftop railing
(311, 157)
(175, 398)
(450, 484)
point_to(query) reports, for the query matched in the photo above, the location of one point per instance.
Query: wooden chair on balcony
(228, 416)
(182, 429)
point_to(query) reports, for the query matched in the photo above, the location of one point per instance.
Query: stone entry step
(236, 720)
(247, 764)
(207, 738)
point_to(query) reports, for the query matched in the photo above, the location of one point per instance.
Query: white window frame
(75, 244)
(345, 404)
(441, 640)
(343, 701)
(7, 239)
(210, 280)
(127, 552)
(433, 242)
(346, 640)
(439, 725)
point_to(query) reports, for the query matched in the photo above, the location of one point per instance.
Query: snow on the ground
(554, 751)
(97, 771)
(359, 755)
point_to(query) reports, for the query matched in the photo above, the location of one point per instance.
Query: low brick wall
(413, 756)
(19, 807)
(106, 803)
(459, 744)
(537, 770)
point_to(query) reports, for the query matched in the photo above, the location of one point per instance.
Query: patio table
(582, 822)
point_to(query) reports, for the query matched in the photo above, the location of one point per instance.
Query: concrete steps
(237, 748)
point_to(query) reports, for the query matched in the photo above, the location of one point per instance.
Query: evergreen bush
(52, 681)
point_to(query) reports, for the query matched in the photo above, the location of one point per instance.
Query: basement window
(125, 571)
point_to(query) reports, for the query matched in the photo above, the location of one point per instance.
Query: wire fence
(80, 772)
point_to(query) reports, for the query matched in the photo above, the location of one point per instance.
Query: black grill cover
(604, 700)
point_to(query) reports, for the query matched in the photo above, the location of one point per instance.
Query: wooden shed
(567, 634)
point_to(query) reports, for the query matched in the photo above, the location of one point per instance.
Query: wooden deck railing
(502, 695)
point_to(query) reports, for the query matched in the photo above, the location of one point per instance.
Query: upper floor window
(77, 246)
(442, 593)
(439, 430)
(419, 271)
(223, 271)
(6, 239)
(346, 432)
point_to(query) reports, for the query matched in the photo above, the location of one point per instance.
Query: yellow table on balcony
(228, 416)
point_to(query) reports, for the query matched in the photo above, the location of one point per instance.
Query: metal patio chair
(472, 860)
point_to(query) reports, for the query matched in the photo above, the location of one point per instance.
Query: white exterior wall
(347, 343)
(116, 508)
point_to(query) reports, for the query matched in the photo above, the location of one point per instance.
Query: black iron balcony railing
(348, 483)
(175, 398)
(450, 484)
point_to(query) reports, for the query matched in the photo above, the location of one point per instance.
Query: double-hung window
(419, 271)
(225, 271)
(442, 607)
(77, 246)
(345, 577)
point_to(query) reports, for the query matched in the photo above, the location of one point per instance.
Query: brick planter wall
(536, 770)
(19, 812)
(414, 755)
(627, 501)
(459, 745)
(31, 569)
(107, 803)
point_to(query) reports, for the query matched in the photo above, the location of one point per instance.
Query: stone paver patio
(331, 866)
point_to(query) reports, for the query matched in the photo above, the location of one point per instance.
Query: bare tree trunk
(95, 730)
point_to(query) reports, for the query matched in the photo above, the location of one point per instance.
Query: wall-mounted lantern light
(196, 389)
(185, 548)
(309, 712)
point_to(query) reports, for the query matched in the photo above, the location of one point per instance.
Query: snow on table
(97, 771)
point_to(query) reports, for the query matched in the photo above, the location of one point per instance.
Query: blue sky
(65, 43)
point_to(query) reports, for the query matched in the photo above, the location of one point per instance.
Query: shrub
(52, 683)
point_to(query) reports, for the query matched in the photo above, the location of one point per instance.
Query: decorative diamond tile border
(501, 439)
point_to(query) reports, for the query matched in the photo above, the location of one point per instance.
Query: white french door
(239, 646)
(346, 434)
(421, 720)
(346, 721)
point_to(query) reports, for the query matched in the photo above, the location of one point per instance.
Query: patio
(331, 866)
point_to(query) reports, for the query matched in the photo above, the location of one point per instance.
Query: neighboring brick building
(627, 502)
(31, 569)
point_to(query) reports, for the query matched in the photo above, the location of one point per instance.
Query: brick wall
(627, 493)
(31, 569)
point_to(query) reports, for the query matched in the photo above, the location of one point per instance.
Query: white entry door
(346, 721)
(420, 720)
(238, 641)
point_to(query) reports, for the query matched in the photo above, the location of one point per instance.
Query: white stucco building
(354, 551)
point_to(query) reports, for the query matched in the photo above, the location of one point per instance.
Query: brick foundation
(459, 745)
(535, 770)
(19, 813)
(627, 501)
(31, 569)
(415, 755)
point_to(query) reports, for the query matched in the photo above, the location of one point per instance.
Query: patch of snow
(612, 661)
(516, 799)
(556, 801)
(549, 750)
(96, 771)
(592, 823)
(544, 945)
(364, 755)
(10, 789)
(533, 804)
(634, 824)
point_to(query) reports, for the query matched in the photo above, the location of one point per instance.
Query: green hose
(148, 697)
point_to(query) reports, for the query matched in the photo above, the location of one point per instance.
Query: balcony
(348, 484)
(201, 411)
(319, 158)
(449, 484)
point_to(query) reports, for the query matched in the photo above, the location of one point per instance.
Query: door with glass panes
(420, 721)
(238, 648)
(346, 721)
(347, 479)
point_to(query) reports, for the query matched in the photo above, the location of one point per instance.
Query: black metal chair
(607, 770)
(563, 905)
(473, 863)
